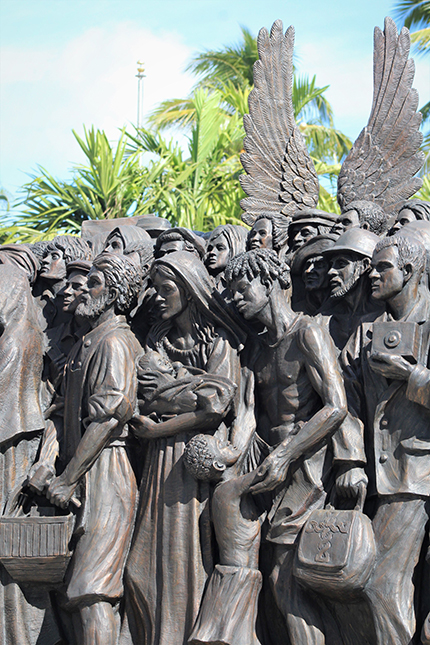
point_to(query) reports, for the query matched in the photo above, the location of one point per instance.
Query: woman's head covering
(21, 256)
(194, 243)
(129, 234)
(193, 277)
(236, 237)
(420, 209)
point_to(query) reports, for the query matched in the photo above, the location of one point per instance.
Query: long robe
(172, 553)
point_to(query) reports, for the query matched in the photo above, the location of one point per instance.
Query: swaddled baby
(167, 390)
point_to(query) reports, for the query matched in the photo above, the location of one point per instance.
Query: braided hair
(262, 263)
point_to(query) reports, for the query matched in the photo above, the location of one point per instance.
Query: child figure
(229, 607)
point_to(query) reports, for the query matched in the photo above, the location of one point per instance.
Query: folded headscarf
(193, 277)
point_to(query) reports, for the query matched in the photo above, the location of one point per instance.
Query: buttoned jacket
(395, 414)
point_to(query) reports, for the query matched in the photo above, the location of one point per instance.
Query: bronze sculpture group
(235, 426)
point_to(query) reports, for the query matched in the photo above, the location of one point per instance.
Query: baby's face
(154, 362)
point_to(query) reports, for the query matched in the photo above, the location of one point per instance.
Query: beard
(340, 292)
(93, 308)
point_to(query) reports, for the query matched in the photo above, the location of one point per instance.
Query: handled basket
(36, 549)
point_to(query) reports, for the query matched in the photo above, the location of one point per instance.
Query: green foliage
(415, 15)
(202, 190)
(231, 64)
(149, 173)
(105, 187)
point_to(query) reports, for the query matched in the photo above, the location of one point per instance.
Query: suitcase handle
(359, 504)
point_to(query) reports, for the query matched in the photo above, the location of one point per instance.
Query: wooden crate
(36, 549)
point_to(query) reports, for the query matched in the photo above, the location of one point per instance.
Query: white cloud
(89, 80)
(350, 76)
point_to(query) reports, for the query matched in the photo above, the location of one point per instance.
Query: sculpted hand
(350, 481)
(143, 426)
(391, 366)
(60, 492)
(273, 471)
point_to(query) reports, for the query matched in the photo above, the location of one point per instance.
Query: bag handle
(359, 503)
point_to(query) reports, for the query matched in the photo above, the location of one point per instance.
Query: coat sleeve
(418, 389)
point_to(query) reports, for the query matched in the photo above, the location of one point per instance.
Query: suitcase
(336, 552)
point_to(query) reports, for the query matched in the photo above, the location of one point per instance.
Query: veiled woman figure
(124, 235)
(224, 243)
(171, 555)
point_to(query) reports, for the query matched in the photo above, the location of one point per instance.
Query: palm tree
(202, 190)
(228, 73)
(106, 187)
(415, 15)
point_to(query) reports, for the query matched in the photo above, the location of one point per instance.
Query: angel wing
(381, 165)
(280, 176)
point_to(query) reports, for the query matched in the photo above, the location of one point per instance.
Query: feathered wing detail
(381, 165)
(280, 176)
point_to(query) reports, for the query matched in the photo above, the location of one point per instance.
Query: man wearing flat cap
(307, 224)
(309, 270)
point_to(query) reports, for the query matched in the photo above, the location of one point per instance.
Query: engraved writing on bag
(326, 531)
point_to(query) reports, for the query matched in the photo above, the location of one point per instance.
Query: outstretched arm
(146, 428)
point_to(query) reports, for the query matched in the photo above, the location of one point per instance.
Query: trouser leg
(300, 609)
(399, 527)
(99, 624)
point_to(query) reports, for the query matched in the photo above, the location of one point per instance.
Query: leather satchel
(336, 551)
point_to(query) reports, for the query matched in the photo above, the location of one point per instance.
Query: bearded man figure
(350, 293)
(99, 389)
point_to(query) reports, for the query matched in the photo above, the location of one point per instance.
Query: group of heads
(393, 262)
(90, 286)
(310, 240)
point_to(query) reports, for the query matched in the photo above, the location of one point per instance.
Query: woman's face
(171, 299)
(217, 254)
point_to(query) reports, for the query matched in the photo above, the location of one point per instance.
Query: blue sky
(65, 63)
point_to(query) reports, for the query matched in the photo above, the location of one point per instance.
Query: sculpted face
(315, 273)
(71, 292)
(386, 278)
(115, 245)
(261, 235)
(345, 271)
(53, 266)
(301, 234)
(346, 221)
(406, 216)
(250, 297)
(217, 255)
(95, 296)
(170, 247)
(171, 300)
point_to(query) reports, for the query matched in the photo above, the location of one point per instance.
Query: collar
(419, 313)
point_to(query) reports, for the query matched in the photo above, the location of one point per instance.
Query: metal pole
(140, 76)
